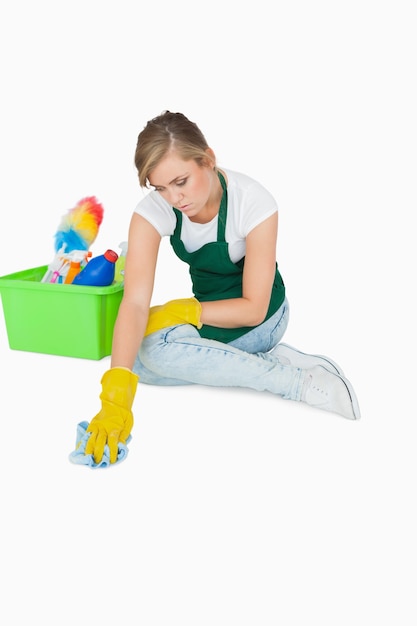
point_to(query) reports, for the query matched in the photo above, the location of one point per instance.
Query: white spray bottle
(119, 274)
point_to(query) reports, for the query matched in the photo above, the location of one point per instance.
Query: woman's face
(185, 185)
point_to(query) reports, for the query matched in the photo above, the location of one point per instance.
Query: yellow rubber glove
(174, 312)
(115, 420)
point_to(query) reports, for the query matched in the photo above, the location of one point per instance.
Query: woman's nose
(177, 198)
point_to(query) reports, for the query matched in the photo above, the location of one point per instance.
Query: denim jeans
(177, 355)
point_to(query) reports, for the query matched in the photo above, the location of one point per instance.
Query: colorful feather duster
(79, 227)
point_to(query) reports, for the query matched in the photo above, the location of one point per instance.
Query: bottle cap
(111, 255)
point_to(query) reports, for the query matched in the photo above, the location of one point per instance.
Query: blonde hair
(166, 132)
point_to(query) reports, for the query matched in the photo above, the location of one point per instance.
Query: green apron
(215, 277)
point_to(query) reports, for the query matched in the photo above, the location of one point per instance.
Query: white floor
(232, 507)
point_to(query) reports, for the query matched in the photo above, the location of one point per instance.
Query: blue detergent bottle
(99, 271)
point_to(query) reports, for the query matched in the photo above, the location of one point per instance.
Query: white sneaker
(288, 355)
(330, 392)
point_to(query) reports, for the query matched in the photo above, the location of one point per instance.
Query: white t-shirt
(248, 204)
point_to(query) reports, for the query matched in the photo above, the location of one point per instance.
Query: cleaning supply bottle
(119, 274)
(99, 271)
(77, 260)
(74, 269)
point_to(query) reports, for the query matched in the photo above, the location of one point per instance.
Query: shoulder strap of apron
(221, 220)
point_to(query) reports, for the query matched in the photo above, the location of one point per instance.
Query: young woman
(224, 225)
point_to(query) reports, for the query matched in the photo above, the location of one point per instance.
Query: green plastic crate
(65, 320)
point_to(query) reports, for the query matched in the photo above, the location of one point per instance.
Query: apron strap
(221, 220)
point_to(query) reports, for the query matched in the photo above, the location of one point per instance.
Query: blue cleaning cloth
(79, 457)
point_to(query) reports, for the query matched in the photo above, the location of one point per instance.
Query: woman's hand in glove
(115, 420)
(174, 312)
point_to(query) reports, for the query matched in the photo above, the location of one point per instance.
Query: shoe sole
(353, 399)
(307, 360)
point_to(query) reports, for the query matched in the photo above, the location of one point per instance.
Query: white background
(233, 507)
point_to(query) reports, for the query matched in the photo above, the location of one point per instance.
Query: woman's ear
(211, 158)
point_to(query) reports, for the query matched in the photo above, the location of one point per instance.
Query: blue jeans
(177, 355)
